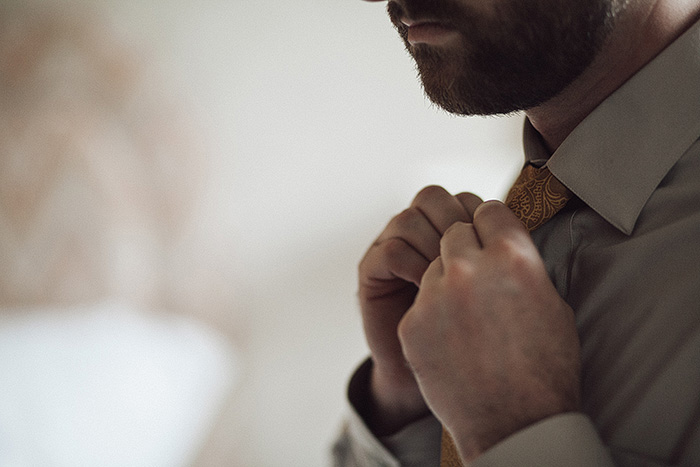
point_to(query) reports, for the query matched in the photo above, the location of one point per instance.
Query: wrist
(481, 433)
(396, 400)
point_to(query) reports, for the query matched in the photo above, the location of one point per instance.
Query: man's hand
(491, 343)
(389, 276)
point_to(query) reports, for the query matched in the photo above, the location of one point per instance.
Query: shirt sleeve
(568, 439)
(416, 445)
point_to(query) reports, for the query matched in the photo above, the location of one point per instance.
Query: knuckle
(428, 193)
(455, 232)
(465, 195)
(455, 229)
(488, 207)
(459, 274)
(469, 200)
(399, 260)
(406, 220)
(408, 331)
(507, 249)
(513, 253)
(403, 330)
(491, 210)
(394, 249)
(507, 246)
(382, 255)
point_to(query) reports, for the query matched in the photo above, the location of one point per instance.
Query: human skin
(478, 274)
(490, 341)
(471, 338)
(389, 275)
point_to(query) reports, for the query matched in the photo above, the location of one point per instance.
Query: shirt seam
(571, 255)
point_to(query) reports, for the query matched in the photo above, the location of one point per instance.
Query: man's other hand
(389, 275)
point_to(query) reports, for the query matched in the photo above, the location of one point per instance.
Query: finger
(470, 201)
(460, 241)
(440, 208)
(415, 229)
(433, 272)
(392, 259)
(495, 222)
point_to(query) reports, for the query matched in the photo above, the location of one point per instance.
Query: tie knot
(536, 196)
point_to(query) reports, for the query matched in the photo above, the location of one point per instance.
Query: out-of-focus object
(108, 385)
(99, 166)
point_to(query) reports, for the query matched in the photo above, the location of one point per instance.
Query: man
(578, 343)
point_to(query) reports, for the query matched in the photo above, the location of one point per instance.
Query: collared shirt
(625, 255)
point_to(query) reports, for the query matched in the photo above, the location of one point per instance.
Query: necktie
(535, 197)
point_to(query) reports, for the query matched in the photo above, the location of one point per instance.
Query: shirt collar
(619, 154)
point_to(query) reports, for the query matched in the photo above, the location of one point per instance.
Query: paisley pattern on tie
(448, 451)
(536, 196)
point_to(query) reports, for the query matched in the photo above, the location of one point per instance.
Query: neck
(643, 29)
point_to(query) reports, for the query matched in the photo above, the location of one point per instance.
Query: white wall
(319, 133)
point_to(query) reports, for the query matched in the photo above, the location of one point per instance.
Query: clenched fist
(389, 275)
(489, 340)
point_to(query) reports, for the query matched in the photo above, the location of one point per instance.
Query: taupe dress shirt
(625, 254)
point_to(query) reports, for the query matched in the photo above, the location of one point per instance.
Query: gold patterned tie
(535, 197)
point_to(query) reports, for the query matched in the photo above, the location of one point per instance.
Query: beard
(518, 56)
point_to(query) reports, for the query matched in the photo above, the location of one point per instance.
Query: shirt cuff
(568, 439)
(417, 444)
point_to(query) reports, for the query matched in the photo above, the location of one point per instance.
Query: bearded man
(515, 338)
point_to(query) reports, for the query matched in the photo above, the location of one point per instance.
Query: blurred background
(186, 189)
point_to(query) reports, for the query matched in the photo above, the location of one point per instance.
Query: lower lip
(429, 33)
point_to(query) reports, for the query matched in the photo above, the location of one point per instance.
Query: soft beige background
(313, 132)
